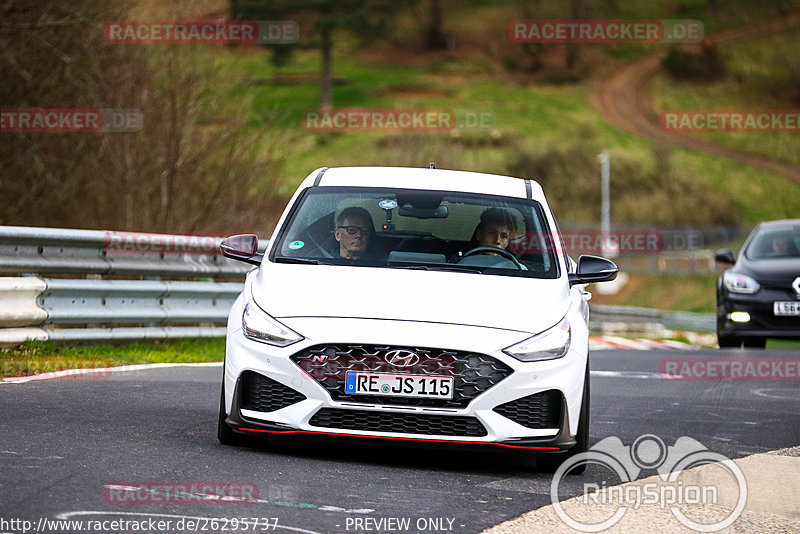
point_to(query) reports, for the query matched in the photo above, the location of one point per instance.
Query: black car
(759, 297)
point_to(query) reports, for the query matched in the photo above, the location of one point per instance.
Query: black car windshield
(414, 229)
(775, 242)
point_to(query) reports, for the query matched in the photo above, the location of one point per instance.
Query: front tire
(726, 342)
(225, 435)
(755, 342)
(549, 463)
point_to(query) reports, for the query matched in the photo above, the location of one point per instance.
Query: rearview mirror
(242, 247)
(725, 255)
(593, 269)
(439, 212)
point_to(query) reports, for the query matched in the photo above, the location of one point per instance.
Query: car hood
(504, 302)
(774, 270)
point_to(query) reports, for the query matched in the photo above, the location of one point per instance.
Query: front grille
(262, 394)
(540, 410)
(406, 423)
(473, 374)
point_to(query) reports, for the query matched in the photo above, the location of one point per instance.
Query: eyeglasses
(353, 230)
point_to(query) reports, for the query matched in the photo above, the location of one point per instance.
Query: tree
(190, 167)
(365, 19)
(435, 38)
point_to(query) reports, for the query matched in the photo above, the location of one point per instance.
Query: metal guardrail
(35, 250)
(649, 319)
(95, 308)
(99, 309)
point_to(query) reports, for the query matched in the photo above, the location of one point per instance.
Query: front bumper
(301, 418)
(763, 321)
(561, 441)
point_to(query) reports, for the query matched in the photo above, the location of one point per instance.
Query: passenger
(780, 246)
(496, 228)
(354, 229)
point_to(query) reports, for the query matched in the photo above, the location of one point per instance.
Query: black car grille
(263, 394)
(406, 423)
(473, 374)
(540, 410)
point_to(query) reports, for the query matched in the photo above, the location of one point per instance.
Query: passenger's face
(353, 246)
(493, 235)
(780, 244)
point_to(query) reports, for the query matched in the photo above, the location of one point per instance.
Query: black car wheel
(549, 463)
(729, 341)
(225, 435)
(755, 342)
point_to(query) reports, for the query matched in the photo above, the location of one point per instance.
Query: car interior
(403, 234)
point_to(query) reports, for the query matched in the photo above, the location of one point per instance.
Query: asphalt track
(63, 443)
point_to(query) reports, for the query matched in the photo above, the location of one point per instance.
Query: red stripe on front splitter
(392, 437)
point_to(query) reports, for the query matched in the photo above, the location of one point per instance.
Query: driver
(495, 229)
(354, 229)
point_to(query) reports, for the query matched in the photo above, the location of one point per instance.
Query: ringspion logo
(615, 464)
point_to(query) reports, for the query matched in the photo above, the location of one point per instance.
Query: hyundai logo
(796, 286)
(401, 358)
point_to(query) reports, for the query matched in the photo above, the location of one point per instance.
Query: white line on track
(630, 374)
(71, 373)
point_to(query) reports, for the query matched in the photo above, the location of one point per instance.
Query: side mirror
(593, 269)
(725, 255)
(242, 247)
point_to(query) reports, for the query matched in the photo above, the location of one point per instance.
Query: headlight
(551, 344)
(259, 326)
(739, 283)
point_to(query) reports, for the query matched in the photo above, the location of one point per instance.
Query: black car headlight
(740, 283)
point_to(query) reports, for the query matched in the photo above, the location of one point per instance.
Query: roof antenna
(431, 165)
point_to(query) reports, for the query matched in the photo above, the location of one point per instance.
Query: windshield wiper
(452, 268)
(287, 259)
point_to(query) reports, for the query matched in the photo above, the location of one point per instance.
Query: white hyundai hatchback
(416, 305)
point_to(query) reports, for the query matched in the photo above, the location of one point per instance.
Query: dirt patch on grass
(418, 92)
(414, 57)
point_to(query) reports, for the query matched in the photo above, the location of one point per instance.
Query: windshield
(782, 242)
(433, 230)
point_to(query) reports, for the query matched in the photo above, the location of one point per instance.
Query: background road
(62, 441)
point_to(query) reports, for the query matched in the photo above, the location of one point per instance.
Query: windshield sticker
(387, 204)
(294, 245)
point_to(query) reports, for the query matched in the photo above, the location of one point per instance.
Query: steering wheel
(501, 251)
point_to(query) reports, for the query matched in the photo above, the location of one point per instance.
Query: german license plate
(393, 385)
(786, 308)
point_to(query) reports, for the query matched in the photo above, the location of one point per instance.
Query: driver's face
(353, 246)
(493, 235)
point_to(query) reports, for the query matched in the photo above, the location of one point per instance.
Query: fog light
(740, 317)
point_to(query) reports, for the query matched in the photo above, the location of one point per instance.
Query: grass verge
(35, 357)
